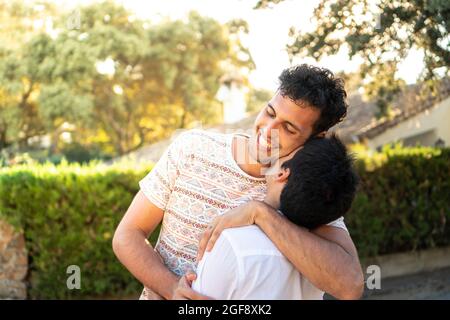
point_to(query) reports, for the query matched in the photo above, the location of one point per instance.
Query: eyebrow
(290, 123)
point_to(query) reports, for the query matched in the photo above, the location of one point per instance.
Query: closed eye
(270, 112)
(290, 131)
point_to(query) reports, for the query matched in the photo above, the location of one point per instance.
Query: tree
(20, 21)
(21, 69)
(165, 76)
(256, 98)
(158, 78)
(263, 4)
(382, 32)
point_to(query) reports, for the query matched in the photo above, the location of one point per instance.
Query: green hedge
(69, 213)
(403, 202)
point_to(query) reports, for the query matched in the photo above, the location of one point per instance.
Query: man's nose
(270, 131)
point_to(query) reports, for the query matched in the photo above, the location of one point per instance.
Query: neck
(271, 201)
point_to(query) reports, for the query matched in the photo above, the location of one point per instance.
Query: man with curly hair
(218, 180)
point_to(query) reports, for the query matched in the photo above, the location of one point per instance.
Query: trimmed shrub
(69, 213)
(403, 202)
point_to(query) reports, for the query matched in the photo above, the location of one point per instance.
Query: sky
(268, 34)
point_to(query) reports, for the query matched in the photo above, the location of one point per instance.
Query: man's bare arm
(131, 248)
(326, 256)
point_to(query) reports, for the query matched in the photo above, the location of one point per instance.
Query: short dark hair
(320, 89)
(321, 185)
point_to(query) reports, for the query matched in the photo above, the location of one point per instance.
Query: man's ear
(283, 175)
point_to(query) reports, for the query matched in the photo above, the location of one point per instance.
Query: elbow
(354, 293)
(124, 240)
(117, 242)
(354, 288)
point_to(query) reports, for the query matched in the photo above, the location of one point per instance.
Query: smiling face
(281, 127)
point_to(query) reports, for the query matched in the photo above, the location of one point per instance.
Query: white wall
(431, 124)
(234, 103)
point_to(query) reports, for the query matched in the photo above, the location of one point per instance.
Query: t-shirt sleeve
(338, 223)
(217, 272)
(158, 184)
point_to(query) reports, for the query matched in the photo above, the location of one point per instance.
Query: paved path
(430, 285)
(423, 286)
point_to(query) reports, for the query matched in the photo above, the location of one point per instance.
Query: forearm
(144, 263)
(324, 263)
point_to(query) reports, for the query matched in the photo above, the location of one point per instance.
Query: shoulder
(338, 223)
(196, 140)
(201, 136)
(250, 241)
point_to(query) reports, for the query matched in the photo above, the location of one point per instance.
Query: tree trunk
(183, 119)
(3, 142)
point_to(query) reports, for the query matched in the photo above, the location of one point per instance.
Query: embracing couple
(251, 217)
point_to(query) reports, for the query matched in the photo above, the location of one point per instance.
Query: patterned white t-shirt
(195, 180)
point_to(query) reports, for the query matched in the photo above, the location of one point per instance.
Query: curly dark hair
(320, 89)
(321, 185)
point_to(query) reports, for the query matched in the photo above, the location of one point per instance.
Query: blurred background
(91, 93)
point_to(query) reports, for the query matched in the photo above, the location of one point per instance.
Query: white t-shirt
(244, 264)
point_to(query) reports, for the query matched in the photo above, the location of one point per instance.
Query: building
(415, 122)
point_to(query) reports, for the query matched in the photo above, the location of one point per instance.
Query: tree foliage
(257, 98)
(382, 32)
(118, 81)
